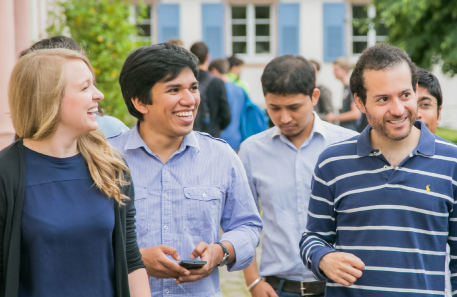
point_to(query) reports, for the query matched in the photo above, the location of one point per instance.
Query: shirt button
(385, 166)
(165, 227)
(165, 196)
(299, 154)
(166, 291)
(164, 166)
(302, 206)
(300, 180)
(204, 195)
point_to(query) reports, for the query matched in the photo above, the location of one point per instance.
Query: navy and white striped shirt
(396, 220)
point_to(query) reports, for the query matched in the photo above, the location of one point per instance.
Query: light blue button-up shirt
(201, 188)
(280, 176)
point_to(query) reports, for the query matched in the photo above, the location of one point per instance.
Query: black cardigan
(127, 257)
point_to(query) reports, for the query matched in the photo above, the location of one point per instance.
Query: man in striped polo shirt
(382, 202)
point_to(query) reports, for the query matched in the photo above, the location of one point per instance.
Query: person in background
(429, 112)
(349, 114)
(188, 185)
(67, 215)
(279, 164)
(430, 100)
(175, 41)
(325, 104)
(234, 74)
(110, 126)
(236, 96)
(214, 112)
(382, 203)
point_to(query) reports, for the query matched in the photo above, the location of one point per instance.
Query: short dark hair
(54, 42)
(316, 64)
(289, 74)
(221, 65)
(200, 50)
(428, 81)
(379, 57)
(148, 65)
(234, 61)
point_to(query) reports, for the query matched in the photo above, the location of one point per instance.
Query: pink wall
(7, 60)
(15, 34)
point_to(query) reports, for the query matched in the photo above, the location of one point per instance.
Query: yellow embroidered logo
(427, 188)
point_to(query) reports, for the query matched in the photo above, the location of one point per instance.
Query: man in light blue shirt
(188, 185)
(280, 163)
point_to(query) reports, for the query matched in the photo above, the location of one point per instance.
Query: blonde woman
(66, 201)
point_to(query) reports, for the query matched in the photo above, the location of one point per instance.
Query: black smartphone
(192, 264)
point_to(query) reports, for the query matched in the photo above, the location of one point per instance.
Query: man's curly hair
(379, 57)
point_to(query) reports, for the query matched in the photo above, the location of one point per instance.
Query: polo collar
(426, 145)
(134, 141)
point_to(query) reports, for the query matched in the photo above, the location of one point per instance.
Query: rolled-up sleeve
(240, 220)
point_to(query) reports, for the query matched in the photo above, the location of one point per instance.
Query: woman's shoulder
(10, 155)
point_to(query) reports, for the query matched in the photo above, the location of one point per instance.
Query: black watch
(226, 255)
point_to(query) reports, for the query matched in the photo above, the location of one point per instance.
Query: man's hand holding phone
(211, 253)
(343, 268)
(158, 265)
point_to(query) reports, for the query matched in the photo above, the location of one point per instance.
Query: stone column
(7, 61)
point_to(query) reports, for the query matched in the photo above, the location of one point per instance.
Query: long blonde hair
(36, 89)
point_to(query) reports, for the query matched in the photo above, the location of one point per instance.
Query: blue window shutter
(334, 31)
(168, 21)
(213, 29)
(289, 28)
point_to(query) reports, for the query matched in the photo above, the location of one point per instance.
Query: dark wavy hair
(379, 57)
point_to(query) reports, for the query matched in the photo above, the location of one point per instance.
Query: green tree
(103, 28)
(425, 29)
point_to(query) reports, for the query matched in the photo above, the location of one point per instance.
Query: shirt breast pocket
(141, 206)
(201, 210)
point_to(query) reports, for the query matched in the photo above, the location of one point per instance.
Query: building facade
(259, 30)
(21, 22)
(255, 30)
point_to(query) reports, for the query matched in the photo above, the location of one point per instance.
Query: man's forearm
(251, 273)
(244, 240)
(230, 249)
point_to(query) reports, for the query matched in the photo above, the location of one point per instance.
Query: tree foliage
(425, 29)
(105, 30)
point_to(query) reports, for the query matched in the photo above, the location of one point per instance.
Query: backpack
(253, 119)
(203, 118)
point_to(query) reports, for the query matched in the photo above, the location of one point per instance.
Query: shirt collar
(426, 145)
(135, 141)
(318, 127)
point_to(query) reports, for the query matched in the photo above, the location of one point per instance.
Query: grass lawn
(448, 134)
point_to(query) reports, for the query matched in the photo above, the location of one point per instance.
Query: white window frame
(251, 56)
(150, 22)
(371, 37)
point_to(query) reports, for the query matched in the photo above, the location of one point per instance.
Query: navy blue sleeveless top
(67, 229)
